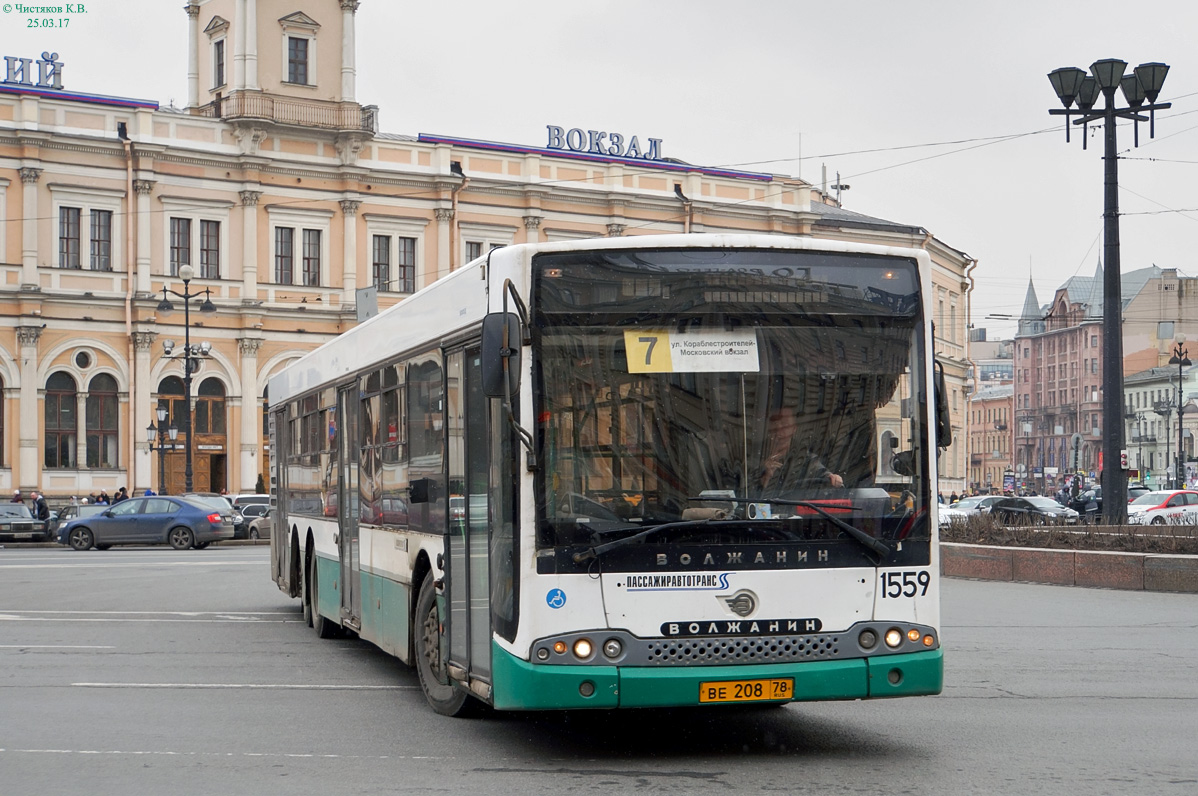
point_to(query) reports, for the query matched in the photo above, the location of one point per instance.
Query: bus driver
(786, 466)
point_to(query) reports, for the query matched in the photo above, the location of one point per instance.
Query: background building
(298, 216)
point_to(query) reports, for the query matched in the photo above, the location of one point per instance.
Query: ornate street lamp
(191, 355)
(1074, 86)
(1180, 358)
(158, 434)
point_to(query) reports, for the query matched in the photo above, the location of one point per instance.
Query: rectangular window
(474, 250)
(297, 60)
(101, 242)
(210, 249)
(180, 244)
(218, 63)
(284, 254)
(405, 278)
(101, 424)
(68, 237)
(382, 262)
(312, 257)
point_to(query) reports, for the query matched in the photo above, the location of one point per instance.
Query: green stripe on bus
(520, 685)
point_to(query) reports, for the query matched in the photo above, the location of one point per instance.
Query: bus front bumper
(520, 685)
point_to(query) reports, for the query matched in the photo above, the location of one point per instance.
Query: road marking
(253, 686)
(166, 753)
(54, 647)
(159, 613)
(226, 620)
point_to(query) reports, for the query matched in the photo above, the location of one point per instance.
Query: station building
(297, 216)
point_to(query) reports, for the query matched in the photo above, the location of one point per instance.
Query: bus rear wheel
(323, 626)
(442, 696)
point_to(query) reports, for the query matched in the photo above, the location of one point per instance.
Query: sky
(934, 113)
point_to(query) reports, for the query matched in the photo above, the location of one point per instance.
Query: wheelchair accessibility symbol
(556, 598)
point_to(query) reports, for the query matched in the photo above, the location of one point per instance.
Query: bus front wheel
(442, 696)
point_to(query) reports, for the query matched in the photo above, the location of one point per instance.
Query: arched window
(210, 407)
(60, 421)
(102, 408)
(170, 397)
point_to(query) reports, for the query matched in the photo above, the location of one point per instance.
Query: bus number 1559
(905, 584)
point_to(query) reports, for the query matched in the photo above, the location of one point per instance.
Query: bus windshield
(731, 388)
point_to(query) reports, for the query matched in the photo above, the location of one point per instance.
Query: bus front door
(468, 576)
(348, 500)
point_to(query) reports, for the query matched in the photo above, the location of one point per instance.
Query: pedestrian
(40, 510)
(149, 492)
(120, 495)
(953, 498)
(103, 499)
(16, 496)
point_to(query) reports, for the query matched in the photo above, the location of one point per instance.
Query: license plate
(22, 536)
(747, 690)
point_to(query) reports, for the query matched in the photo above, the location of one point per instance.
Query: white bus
(629, 472)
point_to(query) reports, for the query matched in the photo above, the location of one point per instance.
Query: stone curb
(1094, 569)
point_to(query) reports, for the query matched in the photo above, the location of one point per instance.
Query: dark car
(1135, 490)
(180, 522)
(1088, 504)
(1032, 511)
(17, 524)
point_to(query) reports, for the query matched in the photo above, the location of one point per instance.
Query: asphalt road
(162, 672)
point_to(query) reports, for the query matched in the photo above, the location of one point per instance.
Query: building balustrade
(291, 111)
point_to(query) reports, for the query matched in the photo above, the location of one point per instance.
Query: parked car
(17, 524)
(224, 503)
(1036, 510)
(181, 522)
(248, 499)
(1135, 489)
(259, 521)
(1172, 507)
(967, 507)
(1088, 504)
(70, 514)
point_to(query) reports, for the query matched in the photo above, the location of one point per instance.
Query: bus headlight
(583, 649)
(868, 639)
(894, 637)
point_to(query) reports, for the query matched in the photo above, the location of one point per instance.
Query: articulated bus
(631, 472)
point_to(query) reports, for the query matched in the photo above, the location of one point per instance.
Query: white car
(1173, 507)
(967, 507)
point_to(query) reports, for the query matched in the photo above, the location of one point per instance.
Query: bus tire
(323, 626)
(305, 588)
(443, 696)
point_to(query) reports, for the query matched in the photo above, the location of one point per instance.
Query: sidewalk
(1130, 571)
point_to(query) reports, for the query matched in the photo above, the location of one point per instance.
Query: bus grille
(753, 649)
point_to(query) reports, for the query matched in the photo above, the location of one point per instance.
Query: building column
(29, 178)
(249, 245)
(81, 430)
(142, 414)
(349, 251)
(251, 44)
(444, 241)
(250, 417)
(239, 39)
(532, 229)
(193, 53)
(143, 222)
(348, 70)
(30, 475)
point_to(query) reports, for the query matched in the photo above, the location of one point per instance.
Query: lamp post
(190, 355)
(1180, 358)
(159, 435)
(1073, 85)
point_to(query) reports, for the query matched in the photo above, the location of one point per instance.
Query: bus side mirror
(944, 429)
(501, 354)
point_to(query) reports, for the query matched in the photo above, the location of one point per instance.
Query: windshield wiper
(876, 545)
(600, 549)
